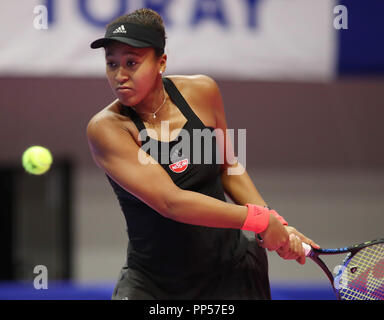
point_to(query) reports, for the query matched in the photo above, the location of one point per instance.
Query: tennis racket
(360, 276)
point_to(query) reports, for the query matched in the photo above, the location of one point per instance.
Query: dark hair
(144, 17)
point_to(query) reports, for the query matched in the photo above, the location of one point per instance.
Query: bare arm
(240, 188)
(115, 151)
(236, 181)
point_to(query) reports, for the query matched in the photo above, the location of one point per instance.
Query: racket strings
(363, 276)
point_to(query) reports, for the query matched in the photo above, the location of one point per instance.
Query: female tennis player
(185, 240)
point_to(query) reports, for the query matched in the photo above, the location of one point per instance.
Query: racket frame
(351, 250)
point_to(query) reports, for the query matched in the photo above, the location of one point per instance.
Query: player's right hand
(275, 236)
(293, 249)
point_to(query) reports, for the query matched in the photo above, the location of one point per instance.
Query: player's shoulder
(103, 121)
(198, 82)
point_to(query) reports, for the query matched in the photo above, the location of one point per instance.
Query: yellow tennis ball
(37, 160)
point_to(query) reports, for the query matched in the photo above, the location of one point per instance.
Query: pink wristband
(280, 218)
(257, 218)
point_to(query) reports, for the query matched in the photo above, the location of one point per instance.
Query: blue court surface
(103, 291)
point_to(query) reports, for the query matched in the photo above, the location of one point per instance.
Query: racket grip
(307, 248)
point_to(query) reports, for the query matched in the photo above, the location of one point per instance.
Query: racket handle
(307, 249)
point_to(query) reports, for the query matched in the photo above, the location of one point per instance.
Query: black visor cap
(131, 34)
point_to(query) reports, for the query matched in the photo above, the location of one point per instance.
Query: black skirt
(247, 279)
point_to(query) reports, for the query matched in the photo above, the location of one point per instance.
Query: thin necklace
(154, 113)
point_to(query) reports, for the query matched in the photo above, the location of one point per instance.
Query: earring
(161, 72)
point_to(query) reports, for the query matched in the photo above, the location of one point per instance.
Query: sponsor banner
(242, 39)
(361, 50)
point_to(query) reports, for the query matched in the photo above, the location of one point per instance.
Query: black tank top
(165, 249)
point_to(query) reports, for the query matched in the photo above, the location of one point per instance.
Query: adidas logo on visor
(120, 29)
